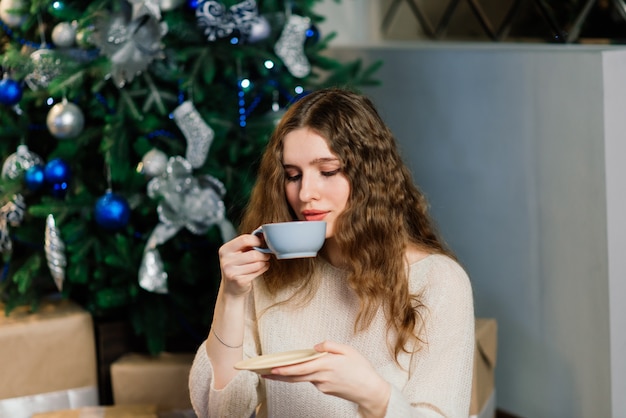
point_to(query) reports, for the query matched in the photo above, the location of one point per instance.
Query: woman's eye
(330, 173)
(294, 177)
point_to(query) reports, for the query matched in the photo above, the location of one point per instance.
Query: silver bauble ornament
(19, 162)
(260, 29)
(167, 5)
(46, 67)
(65, 120)
(64, 34)
(9, 12)
(154, 163)
(84, 37)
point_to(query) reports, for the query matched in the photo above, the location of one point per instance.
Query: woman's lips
(314, 215)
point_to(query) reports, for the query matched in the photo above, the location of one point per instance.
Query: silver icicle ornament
(55, 252)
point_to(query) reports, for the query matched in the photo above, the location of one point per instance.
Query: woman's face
(315, 186)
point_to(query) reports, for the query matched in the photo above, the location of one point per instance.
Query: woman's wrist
(224, 343)
(229, 311)
(228, 302)
(375, 406)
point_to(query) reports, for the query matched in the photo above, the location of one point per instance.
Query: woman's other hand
(344, 373)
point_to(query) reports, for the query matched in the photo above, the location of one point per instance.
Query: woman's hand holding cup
(240, 264)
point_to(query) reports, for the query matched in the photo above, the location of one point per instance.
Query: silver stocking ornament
(290, 46)
(197, 132)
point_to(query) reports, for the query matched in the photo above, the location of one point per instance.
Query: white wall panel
(521, 150)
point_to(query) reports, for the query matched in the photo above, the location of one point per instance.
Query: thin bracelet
(223, 343)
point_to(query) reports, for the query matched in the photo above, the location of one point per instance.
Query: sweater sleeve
(240, 397)
(440, 372)
(237, 399)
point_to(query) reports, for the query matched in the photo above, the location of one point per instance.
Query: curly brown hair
(385, 213)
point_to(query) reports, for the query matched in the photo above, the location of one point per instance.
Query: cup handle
(258, 232)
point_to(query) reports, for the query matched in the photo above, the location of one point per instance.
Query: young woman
(384, 298)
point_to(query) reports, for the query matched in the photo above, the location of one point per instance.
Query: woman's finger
(331, 347)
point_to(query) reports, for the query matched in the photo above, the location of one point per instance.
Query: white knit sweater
(434, 382)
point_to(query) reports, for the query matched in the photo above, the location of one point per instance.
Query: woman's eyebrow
(324, 160)
(315, 161)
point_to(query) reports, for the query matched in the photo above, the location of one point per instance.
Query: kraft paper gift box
(483, 404)
(47, 359)
(161, 380)
(125, 411)
(117, 411)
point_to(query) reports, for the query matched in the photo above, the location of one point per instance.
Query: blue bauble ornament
(10, 92)
(192, 4)
(57, 174)
(59, 189)
(112, 211)
(57, 171)
(35, 177)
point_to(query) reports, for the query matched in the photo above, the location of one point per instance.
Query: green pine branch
(122, 124)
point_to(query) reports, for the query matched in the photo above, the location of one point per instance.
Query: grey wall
(615, 151)
(520, 150)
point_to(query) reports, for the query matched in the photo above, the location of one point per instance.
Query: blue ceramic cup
(297, 239)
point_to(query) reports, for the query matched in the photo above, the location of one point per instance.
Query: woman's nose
(309, 189)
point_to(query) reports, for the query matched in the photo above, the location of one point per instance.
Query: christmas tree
(131, 130)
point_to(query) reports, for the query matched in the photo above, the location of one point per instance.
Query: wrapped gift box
(47, 359)
(125, 411)
(161, 380)
(483, 404)
(114, 338)
(117, 411)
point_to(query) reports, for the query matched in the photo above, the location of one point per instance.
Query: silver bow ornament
(188, 202)
(219, 22)
(130, 44)
(146, 7)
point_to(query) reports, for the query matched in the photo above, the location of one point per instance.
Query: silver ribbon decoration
(198, 134)
(219, 22)
(194, 203)
(146, 7)
(11, 213)
(130, 44)
(55, 252)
